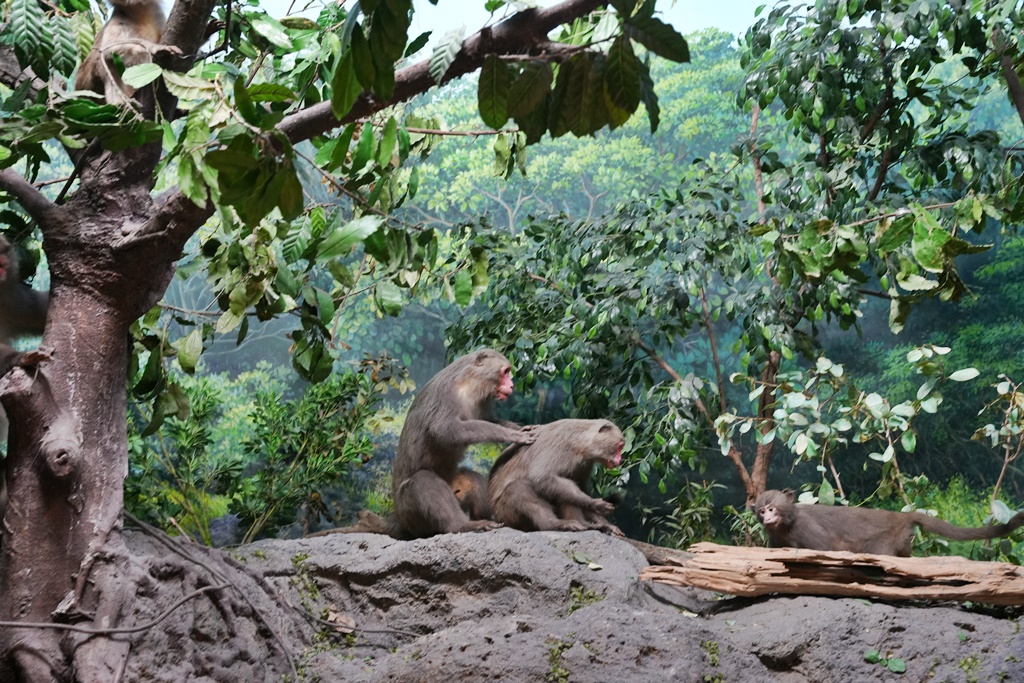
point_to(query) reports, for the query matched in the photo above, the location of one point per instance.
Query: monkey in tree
(22, 313)
(452, 411)
(540, 486)
(22, 309)
(132, 33)
(858, 530)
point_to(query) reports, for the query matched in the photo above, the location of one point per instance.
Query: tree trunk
(67, 447)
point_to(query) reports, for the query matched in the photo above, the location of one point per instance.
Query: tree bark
(111, 251)
(762, 571)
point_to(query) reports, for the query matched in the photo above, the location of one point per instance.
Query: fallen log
(761, 571)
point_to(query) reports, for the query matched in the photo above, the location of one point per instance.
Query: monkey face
(610, 433)
(768, 514)
(505, 388)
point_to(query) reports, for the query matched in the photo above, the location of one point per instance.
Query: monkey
(470, 489)
(133, 33)
(858, 530)
(22, 309)
(453, 410)
(540, 486)
(22, 313)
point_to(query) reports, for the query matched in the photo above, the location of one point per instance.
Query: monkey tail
(369, 523)
(958, 533)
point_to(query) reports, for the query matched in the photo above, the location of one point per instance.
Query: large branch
(525, 33)
(41, 209)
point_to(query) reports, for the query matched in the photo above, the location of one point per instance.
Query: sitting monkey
(857, 530)
(433, 494)
(540, 486)
(133, 33)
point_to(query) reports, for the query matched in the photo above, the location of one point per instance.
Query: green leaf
(417, 44)
(365, 70)
(649, 98)
(388, 297)
(345, 87)
(189, 350)
(658, 37)
(492, 91)
(463, 288)
(141, 75)
(445, 52)
(245, 105)
(388, 141)
(826, 494)
(342, 241)
(622, 81)
(271, 29)
(271, 92)
(530, 88)
(909, 441)
(895, 234)
(872, 656)
(897, 665)
(929, 238)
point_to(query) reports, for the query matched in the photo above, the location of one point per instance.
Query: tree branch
(41, 209)
(1013, 84)
(524, 33)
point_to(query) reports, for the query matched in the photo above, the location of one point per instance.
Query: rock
(552, 606)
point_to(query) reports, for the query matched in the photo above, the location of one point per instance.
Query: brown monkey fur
(22, 309)
(133, 32)
(452, 411)
(858, 530)
(540, 486)
(22, 313)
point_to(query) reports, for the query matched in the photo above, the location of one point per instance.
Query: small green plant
(894, 664)
(556, 672)
(970, 666)
(689, 518)
(710, 648)
(580, 597)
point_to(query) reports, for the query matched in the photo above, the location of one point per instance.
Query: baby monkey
(133, 33)
(858, 530)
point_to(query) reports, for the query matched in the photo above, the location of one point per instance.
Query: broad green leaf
(189, 350)
(895, 234)
(342, 240)
(345, 87)
(622, 81)
(928, 241)
(141, 75)
(896, 665)
(492, 91)
(388, 297)
(463, 288)
(530, 88)
(388, 141)
(271, 29)
(658, 37)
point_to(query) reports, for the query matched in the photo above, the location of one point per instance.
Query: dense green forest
(668, 280)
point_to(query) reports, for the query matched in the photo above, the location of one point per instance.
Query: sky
(687, 16)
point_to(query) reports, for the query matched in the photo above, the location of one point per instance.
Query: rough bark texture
(111, 250)
(763, 571)
(512, 606)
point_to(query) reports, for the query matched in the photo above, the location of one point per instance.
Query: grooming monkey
(541, 486)
(432, 493)
(858, 530)
(133, 33)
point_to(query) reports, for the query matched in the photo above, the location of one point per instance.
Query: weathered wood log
(760, 571)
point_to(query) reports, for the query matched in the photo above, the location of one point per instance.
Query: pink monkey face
(614, 460)
(769, 516)
(504, 389)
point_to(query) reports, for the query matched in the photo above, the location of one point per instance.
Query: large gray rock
(513, 606)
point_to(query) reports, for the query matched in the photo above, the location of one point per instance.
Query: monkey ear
(788, 493)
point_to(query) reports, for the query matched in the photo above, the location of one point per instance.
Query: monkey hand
(527, 434)
(601, 507)
(479, 525)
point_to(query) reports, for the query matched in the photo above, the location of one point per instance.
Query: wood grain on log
(761, 571)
